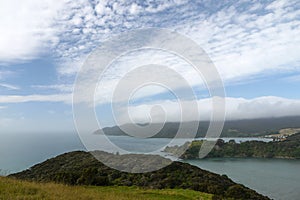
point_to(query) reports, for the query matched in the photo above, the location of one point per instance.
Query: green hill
(81, 168)
(288, 148)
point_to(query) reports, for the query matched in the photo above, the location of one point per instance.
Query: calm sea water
(20, 151)
(276, 178)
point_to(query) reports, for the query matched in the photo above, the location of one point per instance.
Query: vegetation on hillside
(289, 148)
(232, 128)
(81, 168)
(17, 189)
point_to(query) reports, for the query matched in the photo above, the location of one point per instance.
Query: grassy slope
(16, 189)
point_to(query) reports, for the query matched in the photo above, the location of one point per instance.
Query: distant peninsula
(288, 148)
(232, 128)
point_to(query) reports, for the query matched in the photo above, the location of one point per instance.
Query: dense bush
(289, 148)
(81, 168)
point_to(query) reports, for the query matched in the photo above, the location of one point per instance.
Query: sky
(254, 45)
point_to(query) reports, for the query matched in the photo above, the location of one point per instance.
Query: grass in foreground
(16, 189)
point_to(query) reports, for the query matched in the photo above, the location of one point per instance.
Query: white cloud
(261, 38)
(100, 8)
(261, 107)
(69, 67)
(135, 9)
(236, 108)
(75, 28)
(257, 40)
(66, 98)
(242, 42)
(26, 29)
(9, 86)
(59, 87)
(176, 74)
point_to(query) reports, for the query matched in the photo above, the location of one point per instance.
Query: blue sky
(254, 45)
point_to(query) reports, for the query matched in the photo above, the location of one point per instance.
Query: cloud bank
(236, 108)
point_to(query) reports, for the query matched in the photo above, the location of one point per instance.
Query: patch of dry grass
(16, 189)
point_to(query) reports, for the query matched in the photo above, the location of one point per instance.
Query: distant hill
(289, 148)
(81, 168)
(234, 128)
